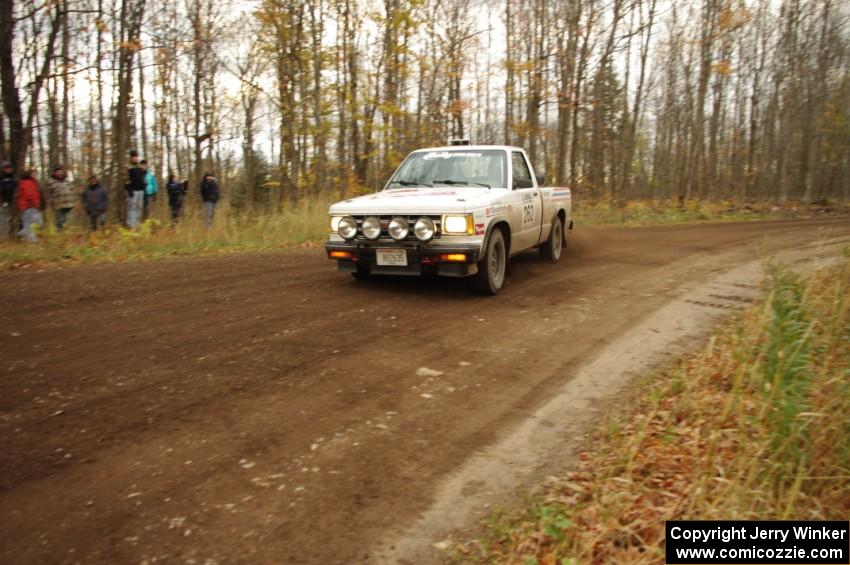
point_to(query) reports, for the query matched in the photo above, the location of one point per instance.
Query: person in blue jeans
(176, 192)
(95, 202)
(30, 201)
(8, 186)
(210, 193)
(135, 187)
(151, 188)
(62, 194)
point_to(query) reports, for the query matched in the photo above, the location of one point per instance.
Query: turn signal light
(454, 257)
(341, 255)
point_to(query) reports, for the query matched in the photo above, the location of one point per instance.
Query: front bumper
(421, 258)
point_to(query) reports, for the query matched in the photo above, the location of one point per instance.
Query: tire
(554, 246)
(492, 270)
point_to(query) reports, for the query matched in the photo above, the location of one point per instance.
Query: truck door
(527, 205)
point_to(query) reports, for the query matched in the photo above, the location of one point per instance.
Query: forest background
(308, 100)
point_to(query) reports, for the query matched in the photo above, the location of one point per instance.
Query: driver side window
(521, 173)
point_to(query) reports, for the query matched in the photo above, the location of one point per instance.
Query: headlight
(335, 223)
(371, 228)
(347, 227)
(424, 229)
(398, 228)
(458, 224)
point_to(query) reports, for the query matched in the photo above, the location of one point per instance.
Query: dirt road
(269, 409)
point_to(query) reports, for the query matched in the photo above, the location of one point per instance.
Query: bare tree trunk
(20, 130)
(130, 26)
(66, 85)
(143, 107)
(509, 76)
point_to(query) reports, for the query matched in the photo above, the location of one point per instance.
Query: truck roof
(469, 147)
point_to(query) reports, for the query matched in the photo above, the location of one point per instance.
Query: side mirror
(541, 180)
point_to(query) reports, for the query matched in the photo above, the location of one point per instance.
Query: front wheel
(551, 250)
(491, 270)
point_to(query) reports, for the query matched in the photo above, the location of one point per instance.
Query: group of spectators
(24, 192)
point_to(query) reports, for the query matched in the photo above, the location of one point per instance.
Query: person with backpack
(95, 202)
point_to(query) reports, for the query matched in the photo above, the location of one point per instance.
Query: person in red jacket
(29, 203)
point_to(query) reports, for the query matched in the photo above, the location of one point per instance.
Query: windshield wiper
(454, 182)
(411, 183)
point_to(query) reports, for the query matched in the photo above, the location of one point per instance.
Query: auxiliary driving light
(371, 228)
(347, 227)
(424, 229)
(398, 228)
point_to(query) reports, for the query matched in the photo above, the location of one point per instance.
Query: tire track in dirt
(266, 408)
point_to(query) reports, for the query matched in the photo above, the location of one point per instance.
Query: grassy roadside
(756, 426)
(654, 212)
(307, 225)
(158, 239)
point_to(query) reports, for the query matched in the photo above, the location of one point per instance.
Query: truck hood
(436, 200)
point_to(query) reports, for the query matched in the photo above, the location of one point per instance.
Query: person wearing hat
(135, 187)
(210, 194)
(29, 203)
(8, 184)
(95, 202)
(61, 194)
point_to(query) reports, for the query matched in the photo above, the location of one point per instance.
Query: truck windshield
(460, 167)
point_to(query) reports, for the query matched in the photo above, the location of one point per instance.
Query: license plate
(392, 257)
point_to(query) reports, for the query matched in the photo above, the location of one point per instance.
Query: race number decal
(528, 213)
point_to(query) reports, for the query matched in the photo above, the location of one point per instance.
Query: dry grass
(306, 224)
(757, 426)
(156, 238)
(653, 212)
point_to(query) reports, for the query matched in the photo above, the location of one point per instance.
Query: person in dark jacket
(210, 194)
(8, 184)
(176, 192)
(135, 186)
(95, 202)
(30, 203)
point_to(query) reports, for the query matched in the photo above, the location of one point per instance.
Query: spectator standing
(176, 193)
(61, 194)
(95, 202)
(135, 188)
(8, 184)
(30, 203)
(151, 188)
(210, 194)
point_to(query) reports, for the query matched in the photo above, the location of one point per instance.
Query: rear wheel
(551, 250)
(491, 270)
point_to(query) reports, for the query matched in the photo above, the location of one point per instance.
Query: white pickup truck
(457, 211)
